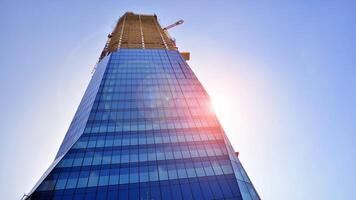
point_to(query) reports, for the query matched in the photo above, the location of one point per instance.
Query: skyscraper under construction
(144, 129)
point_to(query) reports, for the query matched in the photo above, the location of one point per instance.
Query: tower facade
(145, 129)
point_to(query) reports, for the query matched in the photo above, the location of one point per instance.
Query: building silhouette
(144, 129)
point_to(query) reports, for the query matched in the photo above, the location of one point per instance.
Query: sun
(226, 114)
(222, 107)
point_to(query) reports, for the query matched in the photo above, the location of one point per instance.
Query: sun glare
(222, 108)
(226, 113)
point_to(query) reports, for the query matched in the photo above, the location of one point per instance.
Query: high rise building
(144, 129)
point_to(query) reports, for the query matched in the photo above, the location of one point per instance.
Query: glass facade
(145, 129)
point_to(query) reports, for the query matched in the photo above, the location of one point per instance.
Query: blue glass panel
(134, 193)
(155, 192)
(197, 193)
(123, 194)
(186, 191)
(176, 192)
(216, 189)
(113, 195)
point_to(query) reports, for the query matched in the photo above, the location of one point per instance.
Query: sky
(281, 75)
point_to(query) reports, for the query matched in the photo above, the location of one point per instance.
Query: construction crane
(171, 26)
(179, 22)
(185, 55)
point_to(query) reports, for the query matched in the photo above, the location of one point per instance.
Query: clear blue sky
(285, 71)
